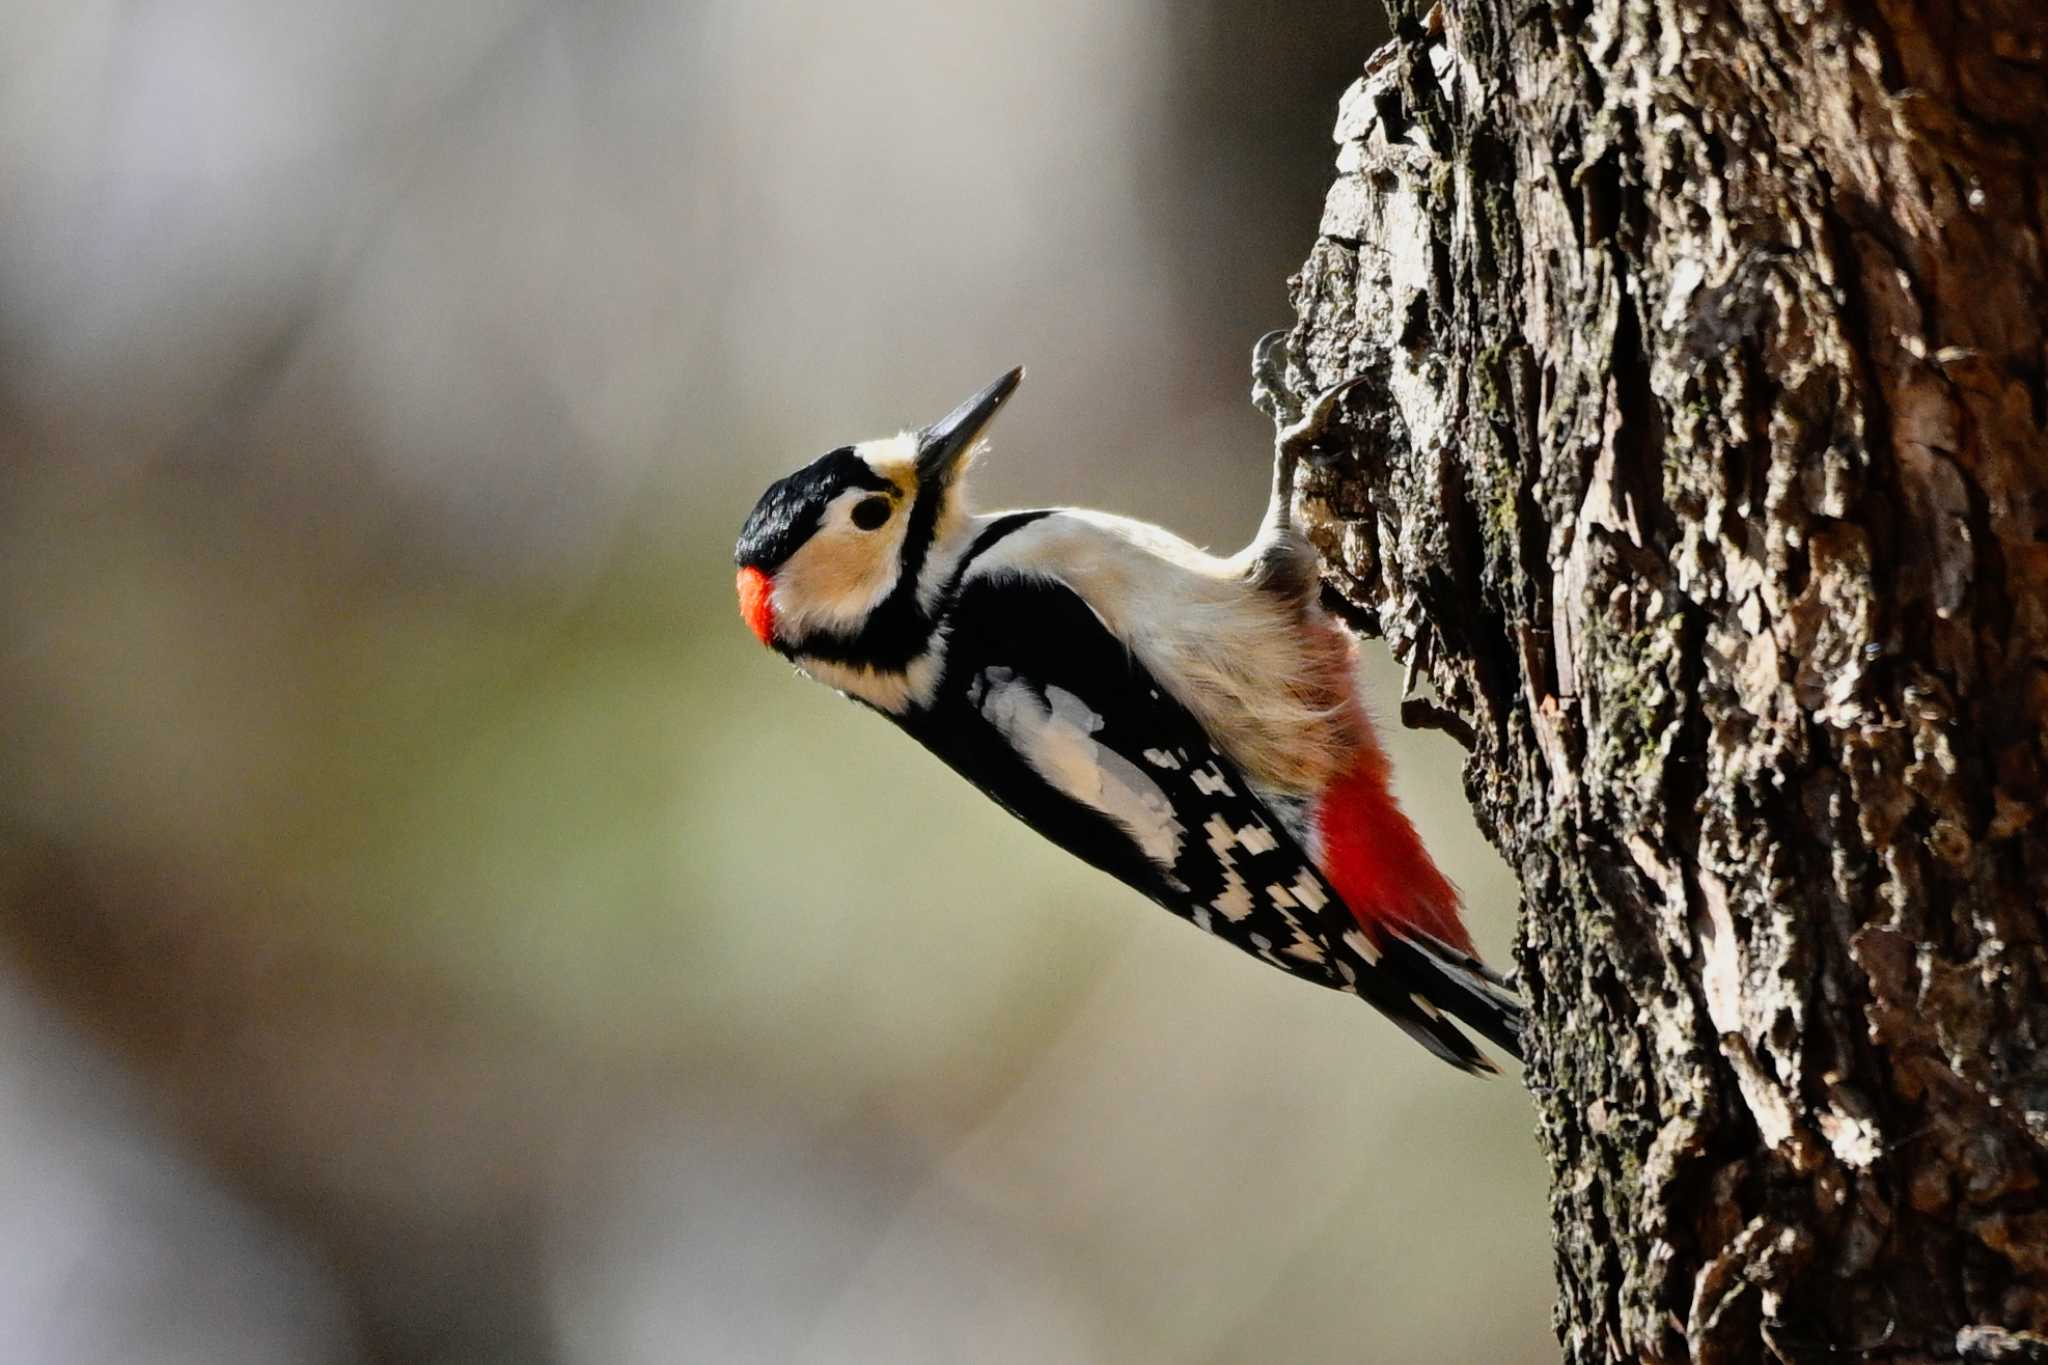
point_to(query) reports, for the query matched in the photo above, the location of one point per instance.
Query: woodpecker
(1187, 723)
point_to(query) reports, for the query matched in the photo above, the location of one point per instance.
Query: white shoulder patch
(1262, 672)
(1055, 735)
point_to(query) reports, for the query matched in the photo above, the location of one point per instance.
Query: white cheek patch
(841, 574)
(1054, 734)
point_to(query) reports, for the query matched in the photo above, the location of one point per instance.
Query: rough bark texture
(1700, 480)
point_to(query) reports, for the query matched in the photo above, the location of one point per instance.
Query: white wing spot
(1257, 839)
(1054, 735)
(1307, 949)
(1311, 895)
(1209, 780)
(1360, 944)
(1236, 900)
(1429, 1011)
(1159, 758)
(1281, 900)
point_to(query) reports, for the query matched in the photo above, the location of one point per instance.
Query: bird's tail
(1459, 984)
(1427, 987)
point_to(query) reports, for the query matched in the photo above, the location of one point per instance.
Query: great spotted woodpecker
(1188, 724)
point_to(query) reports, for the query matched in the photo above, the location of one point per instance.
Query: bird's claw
(1274, 384)
(1272, 357)
(1299, 437)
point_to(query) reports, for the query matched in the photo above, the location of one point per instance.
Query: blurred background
(430, 928)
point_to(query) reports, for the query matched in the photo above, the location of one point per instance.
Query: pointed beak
(942, 443)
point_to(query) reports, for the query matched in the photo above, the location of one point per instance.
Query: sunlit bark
(1701, 482)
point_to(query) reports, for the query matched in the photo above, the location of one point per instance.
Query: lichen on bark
(1699, 477)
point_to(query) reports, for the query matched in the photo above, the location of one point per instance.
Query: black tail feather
(1460, 985)
(1409, 989)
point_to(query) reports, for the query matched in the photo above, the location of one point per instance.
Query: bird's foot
(1272, 394)
(1299, 437)
(1297, 440)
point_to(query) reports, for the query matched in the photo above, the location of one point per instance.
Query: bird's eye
(870, 513)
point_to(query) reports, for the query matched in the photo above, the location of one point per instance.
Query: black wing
(1042, 708)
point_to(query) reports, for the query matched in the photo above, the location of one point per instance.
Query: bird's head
(845, 540)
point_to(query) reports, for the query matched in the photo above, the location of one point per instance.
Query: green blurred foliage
(500, 956)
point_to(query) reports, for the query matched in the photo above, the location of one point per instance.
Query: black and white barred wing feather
(1048, 713)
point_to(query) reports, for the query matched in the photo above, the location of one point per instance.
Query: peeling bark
(1700, 480)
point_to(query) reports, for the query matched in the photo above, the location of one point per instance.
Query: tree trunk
(1700, 481)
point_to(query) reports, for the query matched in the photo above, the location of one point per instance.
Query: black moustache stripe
(899, 629)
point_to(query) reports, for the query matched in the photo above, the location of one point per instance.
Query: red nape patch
(756, 607)
(1376, 860)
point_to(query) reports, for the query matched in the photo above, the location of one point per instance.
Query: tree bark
(1699, 479)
